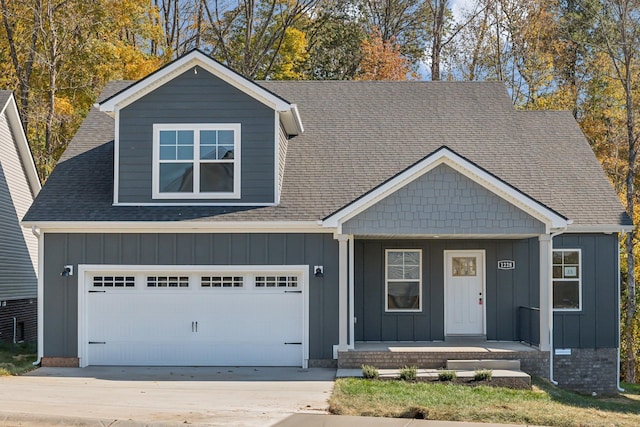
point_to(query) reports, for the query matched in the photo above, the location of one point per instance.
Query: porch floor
(450, 345)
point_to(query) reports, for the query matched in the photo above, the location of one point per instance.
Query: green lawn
(544, 405)
(16, 359)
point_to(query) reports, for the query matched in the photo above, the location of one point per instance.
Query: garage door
(194, 319)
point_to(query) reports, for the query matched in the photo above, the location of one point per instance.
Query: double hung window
(567, 279)
(196, 161)
(403, 281)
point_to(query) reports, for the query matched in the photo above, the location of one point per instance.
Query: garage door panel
(195, 325)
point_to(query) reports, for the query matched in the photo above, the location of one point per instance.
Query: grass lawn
(544, 405)
(16, 359)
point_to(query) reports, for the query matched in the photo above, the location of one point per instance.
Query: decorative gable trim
(445, 155)
(289, 114)
(13, 117)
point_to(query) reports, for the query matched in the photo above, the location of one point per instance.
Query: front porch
(435, 354)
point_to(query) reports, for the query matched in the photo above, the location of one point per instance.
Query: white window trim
(386, 282)
(579, 279)
(196, 127)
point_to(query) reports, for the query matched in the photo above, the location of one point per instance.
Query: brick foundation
(60, 362)
(25, 312)
(587, 370)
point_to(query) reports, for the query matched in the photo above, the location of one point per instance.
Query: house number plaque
(506, 264)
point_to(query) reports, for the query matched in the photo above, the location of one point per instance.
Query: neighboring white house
(19, 185)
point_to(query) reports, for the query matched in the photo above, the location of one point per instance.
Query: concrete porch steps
(500, 377)
(475, 364)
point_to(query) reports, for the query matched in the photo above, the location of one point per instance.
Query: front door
(464, 292)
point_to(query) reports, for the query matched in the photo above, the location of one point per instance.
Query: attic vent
(114, 281)
(221, 281)
(276, 281)
(167, 281)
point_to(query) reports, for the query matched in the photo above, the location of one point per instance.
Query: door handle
(196, 326)
(192, 326)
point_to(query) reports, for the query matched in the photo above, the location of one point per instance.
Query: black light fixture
(67, 271)
(318, 271)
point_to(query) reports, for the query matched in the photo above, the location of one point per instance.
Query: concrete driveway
(162, 396)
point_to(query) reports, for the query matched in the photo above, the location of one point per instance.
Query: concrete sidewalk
(295, 420)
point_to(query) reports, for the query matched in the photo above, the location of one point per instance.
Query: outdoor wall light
(318, 271)
(67, 271)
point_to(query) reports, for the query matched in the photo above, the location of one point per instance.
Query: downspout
(620, 389)
(15, 327)
(36, 232)
(551, 350)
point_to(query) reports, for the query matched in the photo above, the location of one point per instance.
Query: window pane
(167, 137)
(557, 257)
(225, 152)
(566, 294)
(557, 272)
(570, 271)
(403, 295)
(208, 152)
(225, 137)
(463, 266)
(208, 137)
(394, 272)
(185, 152)
(216, 177)
(412, 258)
(571, 257)
(395, 258)
(176, 178)
(411, 272)
(167, 152)
(185, 137)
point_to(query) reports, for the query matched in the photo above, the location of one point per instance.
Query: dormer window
(196, 161)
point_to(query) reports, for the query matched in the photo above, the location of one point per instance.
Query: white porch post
(343, 292)
(546, 295)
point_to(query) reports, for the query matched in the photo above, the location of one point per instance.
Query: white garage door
(194, 319)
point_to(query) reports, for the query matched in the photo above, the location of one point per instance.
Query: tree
(620, 26)
(382, 60)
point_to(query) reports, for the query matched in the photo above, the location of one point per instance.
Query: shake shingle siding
(349, 147)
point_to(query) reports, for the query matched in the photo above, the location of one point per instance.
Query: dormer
(197, 133)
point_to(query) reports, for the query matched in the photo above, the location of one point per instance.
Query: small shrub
(482, 375)
(370, 372)
(408, 373)
(447, 375)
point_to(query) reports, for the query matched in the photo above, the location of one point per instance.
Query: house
(19, 185)
(200, 218)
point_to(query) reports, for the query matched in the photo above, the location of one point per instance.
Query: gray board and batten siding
(197, 98)
(60, 293)
(18, 246)
(443, 201)
(506, 290)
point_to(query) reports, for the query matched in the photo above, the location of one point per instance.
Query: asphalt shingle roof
(357, 136)
(4, 97)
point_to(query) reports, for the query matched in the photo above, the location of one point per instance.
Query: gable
(443, 202)
(196, 99)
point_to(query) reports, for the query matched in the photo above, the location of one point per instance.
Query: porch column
(546, 295)
(343, 291)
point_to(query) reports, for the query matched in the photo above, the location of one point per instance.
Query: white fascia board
(177, 67)
(445, 156)
(599, 228)
(181, 227)
(24, 152)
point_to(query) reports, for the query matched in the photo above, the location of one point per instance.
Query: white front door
(464, 292)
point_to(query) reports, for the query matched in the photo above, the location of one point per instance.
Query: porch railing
(529, 325)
